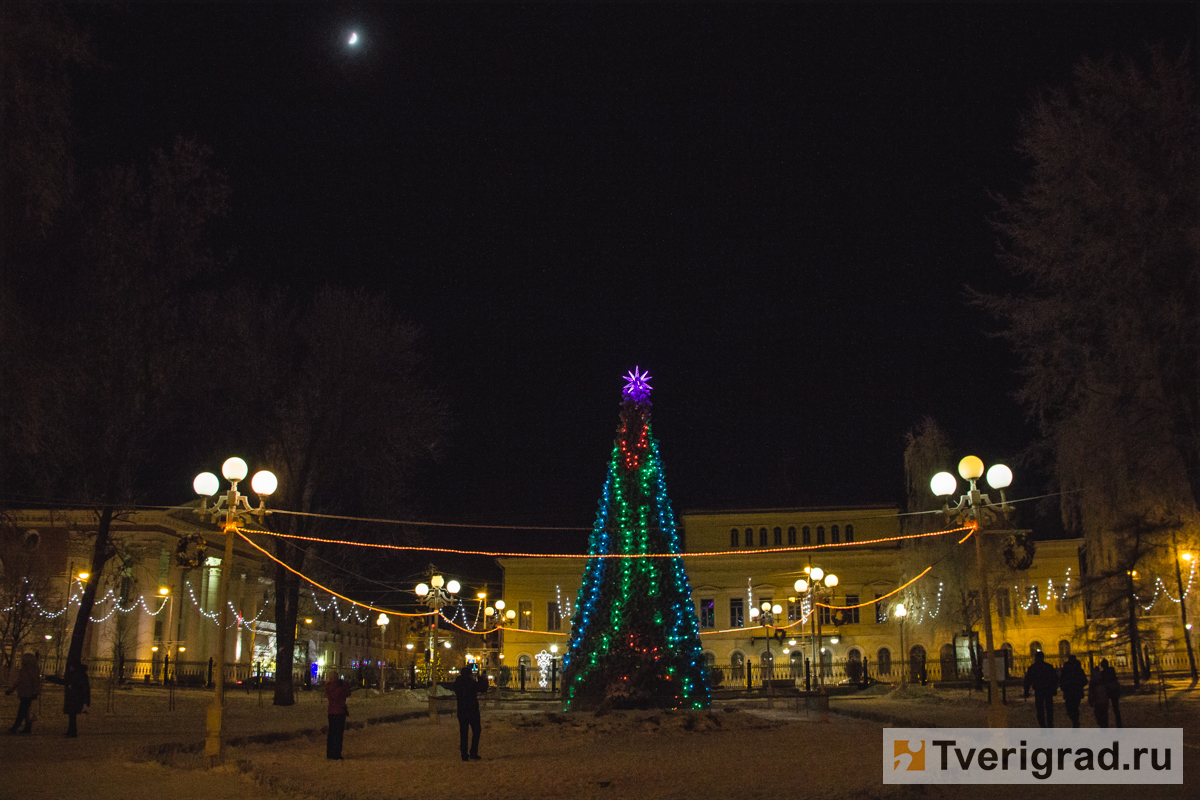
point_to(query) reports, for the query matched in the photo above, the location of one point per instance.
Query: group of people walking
(467, 688)
(77, 694)
(1102, 689)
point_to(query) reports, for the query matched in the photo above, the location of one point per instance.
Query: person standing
(1113, 687)
(466, 691)
(1073, 682)
(1042, 678)
(337, 692)
(28, 686)
(77, 694)
(1098, 697)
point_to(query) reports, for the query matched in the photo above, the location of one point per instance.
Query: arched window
(806, 535)
(949, 661)
(916, 662)
(791, 535)
(766, 660)
(820, 534)
(835, 535)
(524, 667)
(1008, 655)
(710, 659)
(738, 663)
(849, 533)
(1064, 650)
(762, 537)
(797, 663)
(883, 661)
(827, 662)
(734, 539)
(749, 537)
(1034, 647)
(778, 536)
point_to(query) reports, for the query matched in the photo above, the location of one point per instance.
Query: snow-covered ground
(142, 749)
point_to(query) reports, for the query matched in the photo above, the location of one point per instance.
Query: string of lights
(624, 556)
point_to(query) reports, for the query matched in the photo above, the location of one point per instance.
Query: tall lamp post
(977, 507)
(436, 594)
(818, 584)
(232, 507)
(767, 614)
(901, 612)
(1187, 628)
(382, 622)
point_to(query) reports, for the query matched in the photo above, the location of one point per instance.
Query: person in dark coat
(77, 694)
(1074, 683)
(28, 686)
(467, 689)
(337, 692)
(1098, 697)
(1042, 678)
(1113, 687)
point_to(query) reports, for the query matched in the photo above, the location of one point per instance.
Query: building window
(1064, 651)
(835, 534)
(778, 537)
(806, 535)
(850, 616)
(708, 617)
(880, 617)
(883, 661)
(525, 615)
(1031, 598)
(791, 535)
(737, 618)
(762, 537)
(826, 617)
(734, 539)
(849, 533)
(1003, 605)
(793, 609)
(1061, 604)
(749, 537)
(820, 534)
(1034, 647)
(553, 617)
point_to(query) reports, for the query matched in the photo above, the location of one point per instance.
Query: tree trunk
(1134, 651)
(287, 597)
(100, 555)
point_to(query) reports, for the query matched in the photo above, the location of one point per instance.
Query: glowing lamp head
(817, 573)
(943, 484)
(801, 586)
(754, 613)
(446, 645)
(489, 612)
(163, 591)
(481, 595)
(999, 476)
(408, 646)
(833, 640)
(154, 649)
(182, 649)
(422, 590)
(50, 636)
(438, 581)
(499, 605)
(1186, 556)
(766, 605)
(383, 619)
(206, 484)
(234, 469)
(308, 620)
(971, 468)
(777, 609)
(792, 642)
(83, 576)
(510, 615)
(264, 483)
(901, 611)
(553, 648)
(831, 580)
(452, 587)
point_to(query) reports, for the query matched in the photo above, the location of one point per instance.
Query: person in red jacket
(337, 692)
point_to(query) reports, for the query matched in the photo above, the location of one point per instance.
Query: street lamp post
(436, 594)
(382, 622)
(232, 506)
(977, 507)
(901, 612)
(499, 617)
(1187, 629)
(818, 583)
(768, 614)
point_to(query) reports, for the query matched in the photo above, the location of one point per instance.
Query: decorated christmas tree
(634, 639)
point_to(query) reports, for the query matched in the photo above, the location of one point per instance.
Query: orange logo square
(910, 758)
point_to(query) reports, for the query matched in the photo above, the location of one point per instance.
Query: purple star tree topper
(637, 386)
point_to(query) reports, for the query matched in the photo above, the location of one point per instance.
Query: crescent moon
(353, 37)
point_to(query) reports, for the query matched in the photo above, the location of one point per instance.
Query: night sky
(773, 209)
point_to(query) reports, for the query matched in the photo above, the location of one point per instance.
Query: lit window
(525, 615)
